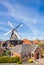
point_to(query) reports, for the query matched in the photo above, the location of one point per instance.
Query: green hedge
(8, 59)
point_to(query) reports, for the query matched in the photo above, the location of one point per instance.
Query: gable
(22, 48)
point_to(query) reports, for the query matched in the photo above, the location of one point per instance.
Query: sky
(28, 12)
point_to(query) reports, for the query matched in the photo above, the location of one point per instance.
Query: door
(37, 55)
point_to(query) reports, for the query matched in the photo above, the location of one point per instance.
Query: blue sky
(28, 12)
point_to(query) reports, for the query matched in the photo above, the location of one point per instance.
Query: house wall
(37, 54)
(29, 55)
(17, 54)
(20, 55)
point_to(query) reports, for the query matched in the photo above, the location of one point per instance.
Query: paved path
(22, 64)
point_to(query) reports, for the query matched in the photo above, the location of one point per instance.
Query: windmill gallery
(18, 47)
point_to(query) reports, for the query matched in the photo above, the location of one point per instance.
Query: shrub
(5, 53)
(19, 62)
(15, 59)
(42, 51)
(30, 61)
(42, 56)
(8, 59)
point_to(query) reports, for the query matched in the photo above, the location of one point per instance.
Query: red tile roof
(26, 41)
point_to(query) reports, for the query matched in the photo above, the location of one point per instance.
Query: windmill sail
(10, 24)
(7, 33)
(14, 35)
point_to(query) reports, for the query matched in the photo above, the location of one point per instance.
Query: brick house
(36, 41)
(26, 51)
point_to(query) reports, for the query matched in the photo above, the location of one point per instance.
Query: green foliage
(6, 53)
(42, 56)
(39, 44)
(30, 61)
(8, 59)
(42, 51)
(19, 62)
(16, 59)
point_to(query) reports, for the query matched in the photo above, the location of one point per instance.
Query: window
(32, 55)
(22, 55)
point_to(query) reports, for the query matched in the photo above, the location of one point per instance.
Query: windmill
(13, 31)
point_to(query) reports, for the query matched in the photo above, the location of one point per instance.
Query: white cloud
(29, 17)
(2, 23)
(3, 28)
